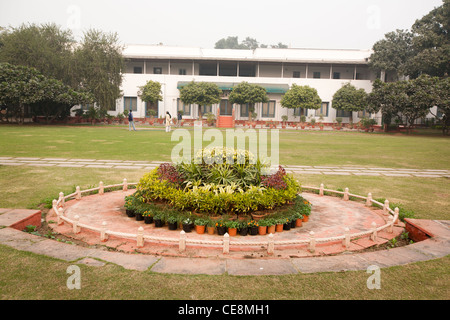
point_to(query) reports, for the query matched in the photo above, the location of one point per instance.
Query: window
(324, 109)
(316, 75)
(137, 69)
(228, 69)
(247, 69)
(85, 107)
(268, 109)
(300, 112)
(208, 69)
(336, 75)
(342, 113)
(130, 103)
(205, 109)
(363, 113)
(244, 110)
(186, 108)
(182, 72)
(157, 70)
(296, 74)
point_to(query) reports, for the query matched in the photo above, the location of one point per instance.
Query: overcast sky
(335, 24)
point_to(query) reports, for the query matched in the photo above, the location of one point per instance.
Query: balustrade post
(78, 193)
(396, 214)
(59, 213)
(312, 242)
(347, 238)
(386, 206)
(125, 185)
(373, 236)
(76, 228)
(226, 243)
(61, 199)
(391, 224)
(103, 235)
(140, 238)
(369, 200)
(101, 189)
(271, 244)
(182, 244)
(346, 196)
(321, 190)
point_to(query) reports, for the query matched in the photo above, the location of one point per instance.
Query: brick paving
(297, 169)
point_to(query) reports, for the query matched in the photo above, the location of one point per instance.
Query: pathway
(148, 165)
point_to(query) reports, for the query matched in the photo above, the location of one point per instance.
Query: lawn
(29, 276)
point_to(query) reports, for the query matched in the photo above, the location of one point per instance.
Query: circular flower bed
(222, 185)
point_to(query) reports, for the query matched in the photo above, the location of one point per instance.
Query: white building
(274, 69)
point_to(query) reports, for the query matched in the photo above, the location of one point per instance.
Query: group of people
(168, 121)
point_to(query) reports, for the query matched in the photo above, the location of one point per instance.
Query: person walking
(168, 120)
(131, 121)
(180, 118)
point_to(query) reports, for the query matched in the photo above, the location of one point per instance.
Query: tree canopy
(425, 49)
(200, 93)
(248, 44)
(151, 92)
(349, 98)
(22, 86)
(301, 97)
(95, 64)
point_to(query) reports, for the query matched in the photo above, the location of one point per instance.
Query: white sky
(332, 24)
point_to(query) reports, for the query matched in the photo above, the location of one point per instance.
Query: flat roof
(294, 55)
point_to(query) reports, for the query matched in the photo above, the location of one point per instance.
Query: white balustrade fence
(225, 243)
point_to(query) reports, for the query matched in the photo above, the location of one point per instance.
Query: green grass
(26, 275)
(296, 147)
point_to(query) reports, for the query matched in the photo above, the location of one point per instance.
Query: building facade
(274, 69)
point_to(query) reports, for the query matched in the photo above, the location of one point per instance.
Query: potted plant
(148, 217)
(130, 206)
(187, 225)
(200, 225)
(271, 225)
(232, 226)
(313, 122)
(285, 119)
(286, 224)
(243, 228)
(158, 219)
(339, 123)
(221, 228)
(303, 121)
(139, 213)
(262, 226)
(172, 222)
(211, 226)
(279, 225)
(297, 217)
(253, 227)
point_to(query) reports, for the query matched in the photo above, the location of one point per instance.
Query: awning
(270, 88)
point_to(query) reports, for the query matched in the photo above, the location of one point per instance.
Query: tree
(441, 95)
(100, 64)
(348, 98)
(392, 53)
(245, 92)
(431, 43)
(47, 47)
(247, 44)
(301, 97)
(200, 93)
(151, 92)
(21, 86)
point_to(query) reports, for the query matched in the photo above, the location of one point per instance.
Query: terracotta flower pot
(305, 218)
(210, 230)
(262, 230)
(232, 232)
(200, 229)
(298, 222)
(279, 228)
(271, 229)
